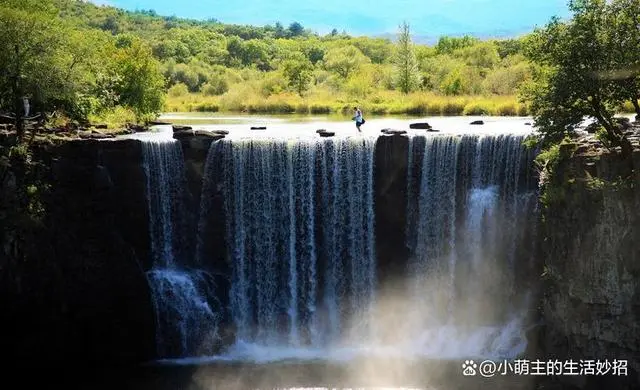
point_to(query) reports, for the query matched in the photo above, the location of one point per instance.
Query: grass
(323, 102)
(115, 119)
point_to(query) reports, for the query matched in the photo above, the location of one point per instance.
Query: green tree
(279, 31)
(570, 84)
(30, 63)
(298, 71)
(508, 47)
(344, 60)
(505, 80)
(447, 45)
(295, 29)
(377, 49)
(314, 53)
(141, 85)
(251, 52)
(624, 41)
(408, 76)
(483, 56)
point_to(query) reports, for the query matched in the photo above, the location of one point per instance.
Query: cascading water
(467, 201)
(300, 235)
(299, 239)
(185, 321)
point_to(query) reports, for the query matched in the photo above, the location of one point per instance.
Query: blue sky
(429, 18)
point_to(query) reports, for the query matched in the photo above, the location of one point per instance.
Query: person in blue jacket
(358, 118)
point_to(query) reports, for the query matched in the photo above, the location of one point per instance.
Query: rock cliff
(591, 231)
(81, 297)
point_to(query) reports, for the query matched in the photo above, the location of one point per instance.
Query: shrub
(477, 108)
(179, 89)
(507, 109)
(318, 108)
(453, 108)
(215, 86)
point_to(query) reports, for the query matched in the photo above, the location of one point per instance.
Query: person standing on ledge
(358, 118)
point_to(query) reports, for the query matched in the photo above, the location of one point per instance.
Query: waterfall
(468, 198)
(286, 259)
(300, 235)
(185, 321)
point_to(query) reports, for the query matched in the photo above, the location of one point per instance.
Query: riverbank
(387, 102)
(383, 103)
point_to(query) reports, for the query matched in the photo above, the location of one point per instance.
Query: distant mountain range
(483, 19)
(432, 39)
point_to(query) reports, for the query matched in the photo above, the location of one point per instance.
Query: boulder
(327, 133)
(158, 123)
(208, 134)
(480, 122)
(321, 131)
(393, 132)
(100, 126)
(181, 128)
(220, 132)
(258, 127)
(92, 135)
(421, 125)
(136, 128)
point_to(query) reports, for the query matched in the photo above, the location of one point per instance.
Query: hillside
(213, 66)
(117, 66)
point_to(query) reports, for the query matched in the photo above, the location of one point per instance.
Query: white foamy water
(185, 322)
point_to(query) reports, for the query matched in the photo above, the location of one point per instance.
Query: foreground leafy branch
(586, 67)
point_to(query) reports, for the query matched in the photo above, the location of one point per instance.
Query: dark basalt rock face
(390, 197)
(591, 304)
(183, 134)
(82, 298)
(195, 147)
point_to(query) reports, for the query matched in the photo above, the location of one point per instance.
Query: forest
(99, 63)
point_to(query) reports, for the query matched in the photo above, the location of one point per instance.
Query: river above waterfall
(300, 126)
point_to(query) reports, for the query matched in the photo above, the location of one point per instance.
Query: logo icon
(469, 368)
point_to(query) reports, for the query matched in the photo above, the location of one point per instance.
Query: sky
(427, 18)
